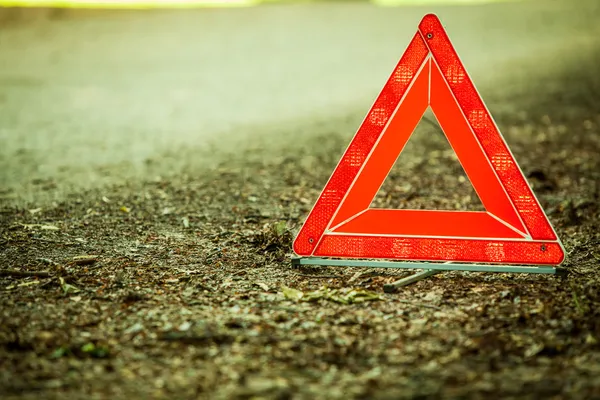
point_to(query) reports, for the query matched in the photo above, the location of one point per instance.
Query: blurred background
(102, 92)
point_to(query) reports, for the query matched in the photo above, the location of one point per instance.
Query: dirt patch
(182, 287)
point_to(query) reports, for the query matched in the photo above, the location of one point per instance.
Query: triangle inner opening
(427, 175)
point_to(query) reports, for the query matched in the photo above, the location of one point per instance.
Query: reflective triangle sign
(513, 229)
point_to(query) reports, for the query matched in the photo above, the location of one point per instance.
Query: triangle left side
(360, 147)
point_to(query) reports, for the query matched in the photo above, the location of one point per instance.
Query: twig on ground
(47, 261)
(319, 276)
(22, 274)
(46, 240)
(412, 303)
(85, 260)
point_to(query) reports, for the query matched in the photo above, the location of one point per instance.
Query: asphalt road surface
(100, 98)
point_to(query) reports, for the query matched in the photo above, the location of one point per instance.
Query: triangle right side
(486, 131)
(471, 155)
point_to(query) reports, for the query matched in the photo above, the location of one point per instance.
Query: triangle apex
(430, 18)
(429, 21)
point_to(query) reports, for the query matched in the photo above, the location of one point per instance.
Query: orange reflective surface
(513, 229)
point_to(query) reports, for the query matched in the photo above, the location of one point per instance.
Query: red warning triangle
(513, 229)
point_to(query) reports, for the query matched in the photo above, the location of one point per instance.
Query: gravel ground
(176, 282)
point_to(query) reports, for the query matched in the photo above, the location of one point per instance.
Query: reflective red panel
(485, 129)
(514, 228)
(428, 249)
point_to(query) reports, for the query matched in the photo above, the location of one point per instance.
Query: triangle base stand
(428, 268)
